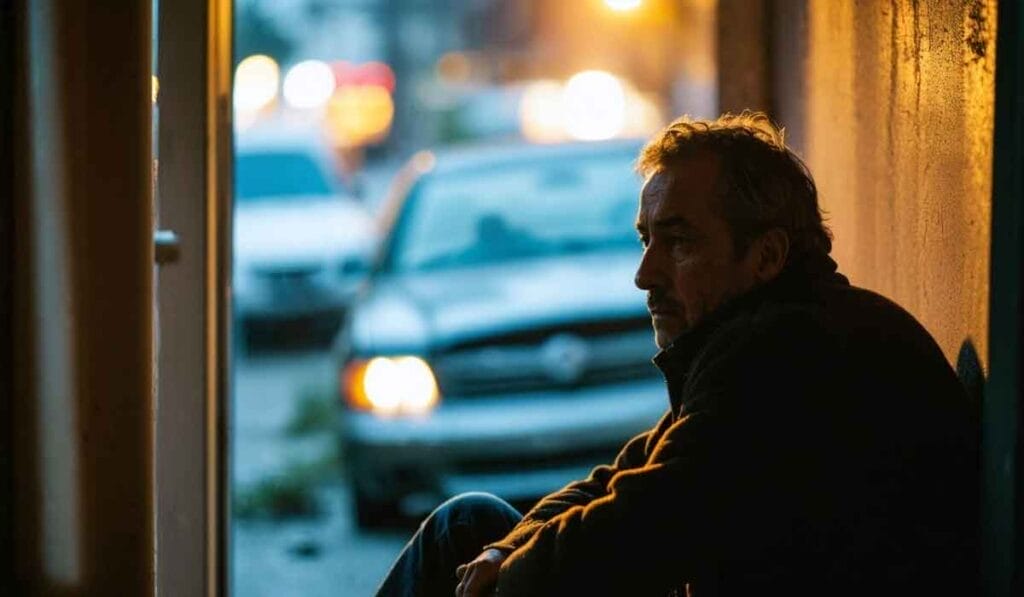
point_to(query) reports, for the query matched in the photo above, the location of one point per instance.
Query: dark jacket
(818, 442)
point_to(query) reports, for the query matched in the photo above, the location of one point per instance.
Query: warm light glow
(541, 112)
(390, 386)
(308, 84)
(623, 5)
(155, 84)
(256, 81)
(595, 106)
(360, 115)
(643, 115)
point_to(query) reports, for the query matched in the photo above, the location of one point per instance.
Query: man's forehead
(689, 181)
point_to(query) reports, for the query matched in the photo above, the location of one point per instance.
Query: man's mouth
(661, 310)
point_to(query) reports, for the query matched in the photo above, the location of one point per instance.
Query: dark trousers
(453, 534)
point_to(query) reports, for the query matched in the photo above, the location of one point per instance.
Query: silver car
(500, 345)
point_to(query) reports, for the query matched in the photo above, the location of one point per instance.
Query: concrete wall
(893, 110)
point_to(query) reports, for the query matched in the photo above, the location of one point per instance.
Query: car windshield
(269, 175)
(518, 211)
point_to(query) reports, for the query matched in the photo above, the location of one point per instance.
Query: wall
(894, 115)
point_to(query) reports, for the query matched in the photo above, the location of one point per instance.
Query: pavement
(322, 556)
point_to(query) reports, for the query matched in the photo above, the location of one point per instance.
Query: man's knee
(474, 509)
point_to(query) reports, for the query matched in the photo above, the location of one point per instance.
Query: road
(324, 556)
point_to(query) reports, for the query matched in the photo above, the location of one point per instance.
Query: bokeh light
(256, 81)
(623, 5)
(360, 115)
(595, 106)
(541, 112)
(308, 84)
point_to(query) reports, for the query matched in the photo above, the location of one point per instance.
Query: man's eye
(643, 241)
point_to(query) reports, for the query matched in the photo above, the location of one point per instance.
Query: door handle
(168, 247)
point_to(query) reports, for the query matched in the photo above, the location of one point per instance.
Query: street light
(623, 5)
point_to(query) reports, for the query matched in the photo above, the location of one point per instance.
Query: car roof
(472, 157)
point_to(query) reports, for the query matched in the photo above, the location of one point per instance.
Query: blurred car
(301, 247)
(500, 345)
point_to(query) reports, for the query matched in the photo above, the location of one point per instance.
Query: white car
(301, 247)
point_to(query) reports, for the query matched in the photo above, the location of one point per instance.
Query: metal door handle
(168, 247)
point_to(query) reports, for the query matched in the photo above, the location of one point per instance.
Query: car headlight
(388, 386)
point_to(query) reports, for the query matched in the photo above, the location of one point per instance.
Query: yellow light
(155, 84)
(390, 386)
(360, 115)
(594, 105)
(541, 112)
(623, 5)
(256, 80)
(308, 84)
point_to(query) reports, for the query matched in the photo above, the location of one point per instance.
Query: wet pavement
(322, 556)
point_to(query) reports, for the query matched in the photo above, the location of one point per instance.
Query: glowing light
(360, 115)
(369, 74)
(256, 81)
(541, 112)
(595, 106)
(643, 115)
(308, 84)
(155, 85)
(395, 385)
(623, 5)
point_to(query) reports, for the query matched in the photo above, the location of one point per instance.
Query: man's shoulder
(832, 321)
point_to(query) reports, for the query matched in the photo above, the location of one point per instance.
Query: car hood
(428, 310)
(301, 230)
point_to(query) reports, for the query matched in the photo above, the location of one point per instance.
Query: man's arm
(581, 493)
(714, 486)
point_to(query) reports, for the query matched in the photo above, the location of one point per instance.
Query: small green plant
(288, 495)
(314, 413)
(292, 493)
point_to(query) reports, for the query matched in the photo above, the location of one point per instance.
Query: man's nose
(645, 272)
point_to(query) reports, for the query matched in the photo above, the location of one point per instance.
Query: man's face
(689, 267)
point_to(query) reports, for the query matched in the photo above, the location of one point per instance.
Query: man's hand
(477, 578)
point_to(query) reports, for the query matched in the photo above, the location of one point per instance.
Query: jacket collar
(797, 279)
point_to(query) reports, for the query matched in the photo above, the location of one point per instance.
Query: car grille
(558, 358)
(288, 276)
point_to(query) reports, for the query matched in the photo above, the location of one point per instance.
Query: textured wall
(895, 119)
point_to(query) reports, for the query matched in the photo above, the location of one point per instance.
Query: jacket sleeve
(661, 524)
(580, 493)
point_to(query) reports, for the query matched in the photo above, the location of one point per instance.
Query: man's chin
(663, 338)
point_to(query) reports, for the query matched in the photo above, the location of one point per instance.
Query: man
(817, 441)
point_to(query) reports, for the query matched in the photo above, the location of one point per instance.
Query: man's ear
(770, 252)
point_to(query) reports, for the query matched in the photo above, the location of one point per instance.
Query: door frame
(194, 149)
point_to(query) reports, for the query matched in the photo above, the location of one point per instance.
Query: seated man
(816, 441)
